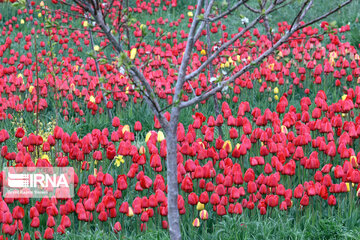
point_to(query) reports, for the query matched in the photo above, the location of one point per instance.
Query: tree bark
(28, 5)
(211, 68)
(171, 163)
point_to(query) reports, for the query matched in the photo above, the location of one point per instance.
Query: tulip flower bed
(280, 159)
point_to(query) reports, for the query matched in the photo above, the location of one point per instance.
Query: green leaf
(103, 61)
(102, 79)
(20, 4)
(200, 17)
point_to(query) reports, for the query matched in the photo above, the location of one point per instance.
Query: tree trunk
(28, 5)
(171, 162)
(267, 28)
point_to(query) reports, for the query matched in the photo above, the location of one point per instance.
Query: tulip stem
(107, 171)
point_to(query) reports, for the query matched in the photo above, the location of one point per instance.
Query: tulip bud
(164, 224)
(353, 161)
(31, 88)
(148, 135)
(348, 187)
(142, 150)
(160, 136)
(92, 99)
(130, 212)
(200, 206)
(227, 146)
(196, 222)
(284, 129)
(204, 215)
(276, 90)
(358, 192)
(133, 53)
(117, 227)
(126, 128)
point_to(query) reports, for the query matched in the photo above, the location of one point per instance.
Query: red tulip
(117, 227)
(49, 233)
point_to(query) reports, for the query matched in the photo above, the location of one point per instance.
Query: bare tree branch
(202, 25)
(326, 14)
(236, 6)
(299, 14)
(134, 70)
(211, 67)
(226, 45)
(283, 39)
(99, 75)
(252, 9)
(187, 54)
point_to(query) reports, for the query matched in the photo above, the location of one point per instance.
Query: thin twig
(99, 75)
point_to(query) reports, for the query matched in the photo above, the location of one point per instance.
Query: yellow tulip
(31, 88)
(148, 135)
(85, 24)
(227, 146)
(133, 53)
(227, 64)
(203, 52)
(92, 99)
(200, 206)
(142, 150)
(271, 66)
(96, 48)
(276, 90)
(41, 4)
(44, 156)
(343, 97)
(348, 187)
(190, 14)
(126, 128)
(160, 136)
(276, 97)
(39, 15)
(22, 21)
(130, 212)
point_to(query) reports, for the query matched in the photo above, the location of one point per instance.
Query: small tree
(205, 14)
